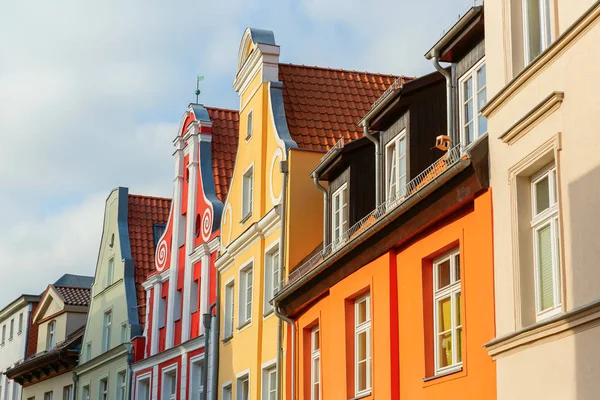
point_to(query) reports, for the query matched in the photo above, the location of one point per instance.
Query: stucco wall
(55, 385)
(110, 370)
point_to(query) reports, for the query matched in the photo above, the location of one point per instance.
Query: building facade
(290, 116)
(170, 358)
(542, 117)
(117, 311)
(60, 320)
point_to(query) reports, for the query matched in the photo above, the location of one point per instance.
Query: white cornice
(102, 359)
(258, 229)
(265, 55)
(159, 358)
(156, 278)
(204, 249)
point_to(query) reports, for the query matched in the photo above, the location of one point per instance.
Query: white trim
(226, 305)
(342, 193)
(366, 328)
(244, 217)
(249, 113)
(471, 74)
(277, 153)
(192, 361)
(164, 356)
(243, 374)
(143, 377)
(242, 284)
(155, 316)
(315, 355)
(397, 182)
(275, 246)
(228, 384)
(265, 367)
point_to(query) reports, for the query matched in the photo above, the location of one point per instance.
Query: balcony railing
(409, 190)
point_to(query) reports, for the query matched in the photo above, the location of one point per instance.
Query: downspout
(377, 162)
(217, 326)
(293, 369)
(449, 99)
(206, 320)
(325, 210)
(130, 356)
(75, 378)
(283, 166)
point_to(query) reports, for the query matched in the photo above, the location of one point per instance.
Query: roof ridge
(342, 70)
(144, 196)
(222, 109)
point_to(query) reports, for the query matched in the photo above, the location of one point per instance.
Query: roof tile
(225, 124)
(74, 296)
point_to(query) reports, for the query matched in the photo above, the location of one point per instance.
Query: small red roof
(225, 125)
(74, 296)
(143, 213)
(322, 105)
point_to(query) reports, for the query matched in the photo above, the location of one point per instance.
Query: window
(248, 182)
(249, 126)
(121, 385)
(177, 305)
(243, 388)
(143, 389)
(170, 385)
(197, 383)
(68, 392)
(15, 391)
(124, 332)
(85, 393)
(88, 351)
(395, 166)
(157, 231)
(194, 296)
(12, 329)
(227, 392)
(51, 335)
(362, 345)
(272, 266)
(20, 323)
(315, 365)
(162, 306)
(269, 384)
(106, 331)
(111, 272)
(536, 28)
(3, 336)
(339, 212)
(544, 224)
(245, 307)
(104, 389)
(48, 395)
(229, 304)
(473, 96)
(448, 315)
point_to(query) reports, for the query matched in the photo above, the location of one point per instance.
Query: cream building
(543, 120)
(59, 320)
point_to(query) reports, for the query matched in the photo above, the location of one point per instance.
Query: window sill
(244, 325)
(268, 313)
(361, 396)
(246, 218)
(227, 339)
(443, 374)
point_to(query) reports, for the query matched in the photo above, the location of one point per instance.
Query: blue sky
(91, 94)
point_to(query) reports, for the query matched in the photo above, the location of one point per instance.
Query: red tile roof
(74, 296)
(322, 105)
(225, 125)
(143, 213)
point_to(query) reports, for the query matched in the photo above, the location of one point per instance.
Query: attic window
(198, 225)
(187, 175)
(249, 126)
(158, 229)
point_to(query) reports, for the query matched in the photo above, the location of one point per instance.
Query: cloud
(91, 94)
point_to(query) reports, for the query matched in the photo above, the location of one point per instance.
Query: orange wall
(398, 282)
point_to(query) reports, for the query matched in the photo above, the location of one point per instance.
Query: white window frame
(110, 273)
(239, 382)
(170, 373)
(360, 328)
(103, 388)
(227, 391)
(12, 329)
(143, 382)
(51, 335)
(548, 217)
(246, 294)
(106, 330)
(269, 375)
(545, 29)
(452, 291)
(85, 392)
(124, 332)
(247, 192)
(67, 392)
(315, 358)
(471, 74)
(48, 395)
(392, 164)
(20, 324)
(249, 121)
(342, 193)
(229, 312)
(196, 385)
(272, 275)
(121, 385)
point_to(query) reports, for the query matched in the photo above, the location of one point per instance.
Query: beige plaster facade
(541, 114)
(59, 386)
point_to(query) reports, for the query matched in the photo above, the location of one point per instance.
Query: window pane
(458, 301)
(481, 125)
(445, 346)
(444, 315)
(459, 339)
(468, 110)
(533, 27)
(402, 146)
(457, 267)
(443, 274)
(546, 280)
(469, 133)
(554, 187)
(481, 77)
(316, 391)
(361, 315)
(316, 343)
(361, 347)
(316, 370)
(467, 89)
(542, 195)
(362, 376)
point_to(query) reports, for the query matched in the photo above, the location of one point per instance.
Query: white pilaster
(155, 323)
(205, 288)
(155, 382)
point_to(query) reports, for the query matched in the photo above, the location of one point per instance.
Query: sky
(92, 93)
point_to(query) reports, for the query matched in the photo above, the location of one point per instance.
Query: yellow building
(290, 116)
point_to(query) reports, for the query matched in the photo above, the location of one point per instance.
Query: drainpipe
(283, 166)
(293, 369)
(75, 381)
(377, 162)
(130, 367)
(206, 320)
(216, 335)
(449, 100)
(325, 210)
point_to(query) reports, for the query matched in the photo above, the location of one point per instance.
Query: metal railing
(451, 157)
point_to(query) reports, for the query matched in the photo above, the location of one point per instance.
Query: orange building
(398, 301)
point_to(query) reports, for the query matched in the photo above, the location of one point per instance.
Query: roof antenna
(197, 92)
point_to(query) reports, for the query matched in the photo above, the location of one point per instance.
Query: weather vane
(197, 92)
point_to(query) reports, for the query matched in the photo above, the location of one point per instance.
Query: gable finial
(197, 91)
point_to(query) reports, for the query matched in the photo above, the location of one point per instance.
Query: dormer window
(339, 213)
(51, 335)
(247, 189)
(472, 97)
(249, 126)
(395, 161)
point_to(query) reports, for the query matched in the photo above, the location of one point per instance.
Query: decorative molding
(537, 114)
(558, 327)
(575, 31)
(164, 356)
(276, 154)
(102, 359)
